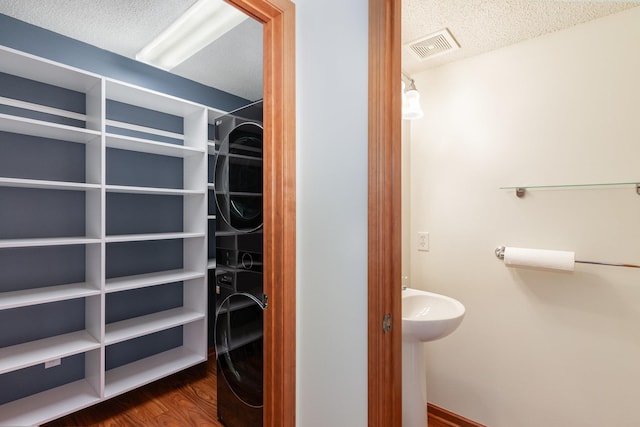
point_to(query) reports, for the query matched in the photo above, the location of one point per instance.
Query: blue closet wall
(28, 38)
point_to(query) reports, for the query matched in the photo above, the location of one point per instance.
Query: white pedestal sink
(426, 316)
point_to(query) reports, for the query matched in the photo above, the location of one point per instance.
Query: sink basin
(427, 316)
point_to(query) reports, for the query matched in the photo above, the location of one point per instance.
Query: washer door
(238, 182)
(239, 346)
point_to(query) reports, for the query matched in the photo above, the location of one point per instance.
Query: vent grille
(433, 45)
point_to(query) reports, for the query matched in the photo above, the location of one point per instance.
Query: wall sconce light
(199, 26)
(411, 109)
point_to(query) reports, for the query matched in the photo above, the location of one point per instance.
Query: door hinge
(265, 301)
(386, 323)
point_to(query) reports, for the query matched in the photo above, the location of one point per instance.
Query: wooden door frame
(384, 228)
(278, 19)
(384, 268)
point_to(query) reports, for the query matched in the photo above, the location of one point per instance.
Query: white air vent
(433, 45)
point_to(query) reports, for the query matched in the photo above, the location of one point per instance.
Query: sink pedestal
(425, 317)
(414, 385)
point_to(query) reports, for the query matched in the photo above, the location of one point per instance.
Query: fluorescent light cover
(199, 26)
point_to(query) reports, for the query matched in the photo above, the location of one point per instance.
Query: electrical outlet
(51, 363)
(423, 241)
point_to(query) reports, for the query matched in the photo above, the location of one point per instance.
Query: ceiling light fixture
(199, 26)
(411, 109)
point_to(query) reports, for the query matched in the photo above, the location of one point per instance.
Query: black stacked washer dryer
(239, 298)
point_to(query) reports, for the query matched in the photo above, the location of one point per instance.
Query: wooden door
(384, 361)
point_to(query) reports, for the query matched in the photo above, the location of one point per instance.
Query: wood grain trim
(448, 418)
(278, 18)
(384, 287)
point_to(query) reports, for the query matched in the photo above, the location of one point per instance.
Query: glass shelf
(521, 189)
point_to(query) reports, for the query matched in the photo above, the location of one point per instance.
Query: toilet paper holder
(499, 252)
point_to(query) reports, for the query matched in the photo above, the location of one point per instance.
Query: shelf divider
(152, 236)
(149, 146)
(153, 190)
(47, 405)
(45, 295)
(144, 371)
(31, 353)
(144, 325)
(47, 185)
(53, 241)
(117, 284)
(42, 129)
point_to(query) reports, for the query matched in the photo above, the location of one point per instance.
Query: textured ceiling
(234, 62)
(121, 26)
(484, 25)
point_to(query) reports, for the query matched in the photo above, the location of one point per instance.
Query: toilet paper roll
(539, 259)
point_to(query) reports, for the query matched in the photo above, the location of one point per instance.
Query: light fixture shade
(411, 109)
(200, 25)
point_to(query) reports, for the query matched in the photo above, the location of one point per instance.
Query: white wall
(536, 348)
(406, 202)
(332, 67)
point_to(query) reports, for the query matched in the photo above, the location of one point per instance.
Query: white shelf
(144, 129)
(45, 295)
(153, 190)
(48, 185)
(43, 70)
(144, 371)
(152, 100)
(153, 236)
(118, 284)
(144, 325)
(48, 405)
(44, 129)
(211, 263)
(34, 352)
(57, 241)
(148, 146)
(42, 109)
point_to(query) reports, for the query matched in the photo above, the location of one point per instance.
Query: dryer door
(239, 346)
(238, 179)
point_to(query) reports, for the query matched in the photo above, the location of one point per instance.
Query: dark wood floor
(184, 399)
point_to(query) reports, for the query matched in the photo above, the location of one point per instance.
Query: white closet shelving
(110, 237)
(150, 279)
